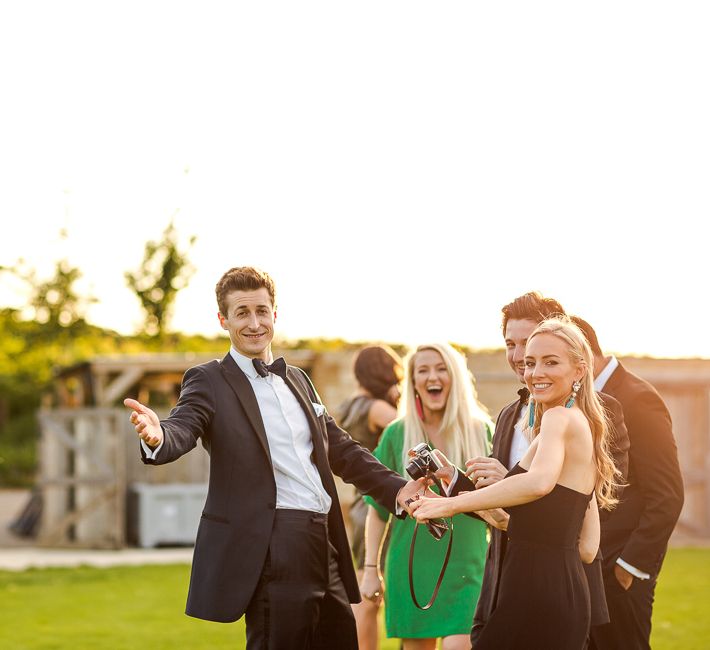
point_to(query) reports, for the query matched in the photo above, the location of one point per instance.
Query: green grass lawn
(129, 608)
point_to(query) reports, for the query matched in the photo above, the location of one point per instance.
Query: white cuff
(632, 570)
(454, 478)
(151, 452)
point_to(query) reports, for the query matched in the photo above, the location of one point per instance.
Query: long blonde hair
(588, 402)
(465, 424)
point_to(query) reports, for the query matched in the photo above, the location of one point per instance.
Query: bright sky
(402, 169)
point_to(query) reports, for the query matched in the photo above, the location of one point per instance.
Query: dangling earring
(531, 414)
(575, 389)
(418, 406)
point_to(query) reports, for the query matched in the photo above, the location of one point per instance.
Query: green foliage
(55, 303)
(30, 349)
(164, 271)
(136, 608)
(34, 344)
(18, 450)
(29, 356)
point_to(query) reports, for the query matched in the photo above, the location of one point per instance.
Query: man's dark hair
(531, 306)
(590, 335)
(243, 278)
(377, 369)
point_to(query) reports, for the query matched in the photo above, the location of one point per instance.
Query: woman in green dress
(440, 407)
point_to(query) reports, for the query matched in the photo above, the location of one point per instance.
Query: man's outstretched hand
(412, 491)
(146, 422)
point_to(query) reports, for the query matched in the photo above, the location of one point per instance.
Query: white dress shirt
(298, 484)
(603, 377)
(599, 383)
(520, 443)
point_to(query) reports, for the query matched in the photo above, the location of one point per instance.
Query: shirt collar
(245, 364)
(604, 375)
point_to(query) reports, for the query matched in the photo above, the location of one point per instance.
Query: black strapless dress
(543, 597)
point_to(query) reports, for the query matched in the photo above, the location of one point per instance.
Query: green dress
(452, 612)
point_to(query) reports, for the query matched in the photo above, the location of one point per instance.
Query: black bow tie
(278, 367)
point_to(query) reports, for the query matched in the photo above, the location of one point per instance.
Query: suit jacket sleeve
(461, 484)
(655, 470)
(390, 455)
(190, 418)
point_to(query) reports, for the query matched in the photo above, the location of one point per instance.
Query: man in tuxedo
(271, 542)
(634, 536)
(520, 318)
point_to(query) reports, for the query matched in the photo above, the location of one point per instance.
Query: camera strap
(441, 573)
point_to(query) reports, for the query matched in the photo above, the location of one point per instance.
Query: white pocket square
(318, 408)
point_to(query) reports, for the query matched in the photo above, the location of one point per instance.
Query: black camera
(423, 464)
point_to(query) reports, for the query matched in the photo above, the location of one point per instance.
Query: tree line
(52, 331)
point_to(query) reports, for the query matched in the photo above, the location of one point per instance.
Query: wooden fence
(89, 457)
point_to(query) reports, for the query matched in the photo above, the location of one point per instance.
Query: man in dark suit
(634, 536)
(520, 318)
(271, 542)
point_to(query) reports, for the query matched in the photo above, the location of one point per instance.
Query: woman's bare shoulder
(556, 415)
(381, 413)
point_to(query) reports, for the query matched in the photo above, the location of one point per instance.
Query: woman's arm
(538, 481)
(590, 535)
(371, 586)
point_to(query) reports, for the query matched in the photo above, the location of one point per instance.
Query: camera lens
(415, 468)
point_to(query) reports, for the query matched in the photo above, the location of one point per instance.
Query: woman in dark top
(378, 370)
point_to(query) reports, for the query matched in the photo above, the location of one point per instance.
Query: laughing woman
(441, 409)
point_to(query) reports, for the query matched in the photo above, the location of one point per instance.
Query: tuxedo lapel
(245, 394)
(504, 434)
(304, 400)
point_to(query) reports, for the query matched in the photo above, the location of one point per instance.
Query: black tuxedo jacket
(502, 441)
(638, 529)
(217, 405)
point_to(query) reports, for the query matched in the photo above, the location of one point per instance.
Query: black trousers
(300, 602)
(629, 612)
